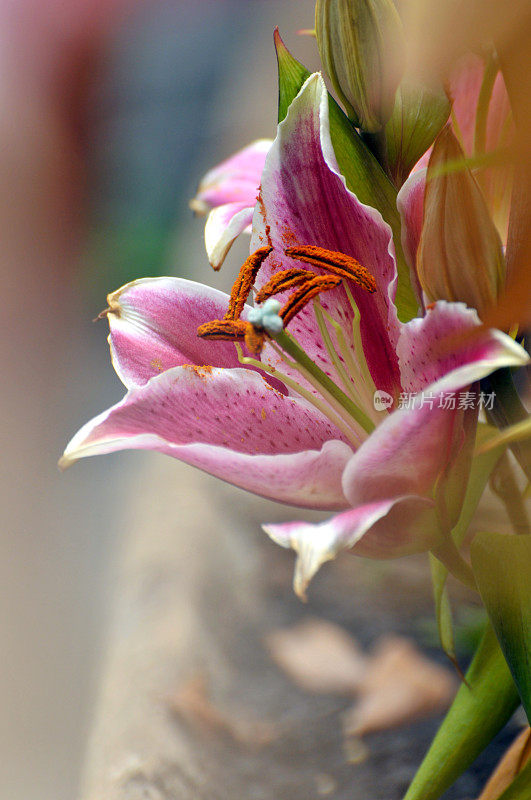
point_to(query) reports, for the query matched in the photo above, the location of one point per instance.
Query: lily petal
(413, 446)
(235, 180)
(304, 201)
(228, 192)
(410, 204)
(441, 351)
(386, 529)
(232, 424)
(405, 455)
(223, 226)
(153, 327)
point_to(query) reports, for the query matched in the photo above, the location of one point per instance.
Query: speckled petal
(415, 444)
(304, 201)
(438, 352)
(232, 424)
(153, 327)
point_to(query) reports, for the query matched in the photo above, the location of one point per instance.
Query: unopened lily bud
(362, 49)
(460, 256)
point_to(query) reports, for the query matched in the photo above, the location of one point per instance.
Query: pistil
(326, 384)
(267, 320)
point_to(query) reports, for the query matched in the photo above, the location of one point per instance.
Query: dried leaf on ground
(192, 703)
(508, 768)
(318, 656)
(400, 685)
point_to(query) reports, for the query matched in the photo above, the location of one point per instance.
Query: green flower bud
(418, 116)
(460, 254)
(362, 48)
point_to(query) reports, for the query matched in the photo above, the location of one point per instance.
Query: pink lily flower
(227, 193)
(300, 425)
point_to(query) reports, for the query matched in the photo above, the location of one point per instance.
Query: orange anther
(229, 329)
(243, 283)
(305, 293)
(337, 263)
(281, 281)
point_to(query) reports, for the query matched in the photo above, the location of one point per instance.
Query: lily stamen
(232, 328)
(244, 282)
(302, 296)
(281, 282)
(228, 329)
(268, 320)
(332, 261)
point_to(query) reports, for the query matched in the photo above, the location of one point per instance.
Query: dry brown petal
(514, 760)
(400, 685)
(318, 656)
(192, 703)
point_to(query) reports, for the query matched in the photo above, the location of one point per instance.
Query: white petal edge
(220, 233)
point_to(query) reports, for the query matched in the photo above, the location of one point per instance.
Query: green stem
(504, 484)
(290, 346)
(482, 706)
(449, 555)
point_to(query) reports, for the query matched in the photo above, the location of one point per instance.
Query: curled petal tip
(199, 207)
(312, 552)
(64, 462)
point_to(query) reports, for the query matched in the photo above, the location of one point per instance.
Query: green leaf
(443, 610)
(291, 76)
(482, 466)
(481, 708)
(362, 172)
(501, 565)
(418, 116)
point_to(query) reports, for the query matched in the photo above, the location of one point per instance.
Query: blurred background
(110, 112)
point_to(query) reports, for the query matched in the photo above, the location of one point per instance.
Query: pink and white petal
(415, 445)
(410, 204)
(389, 528)
(441, 352)
(224, 224)
(232, 424)
(153, 327)
(405, 455)
(304, 200)
(235, 180)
